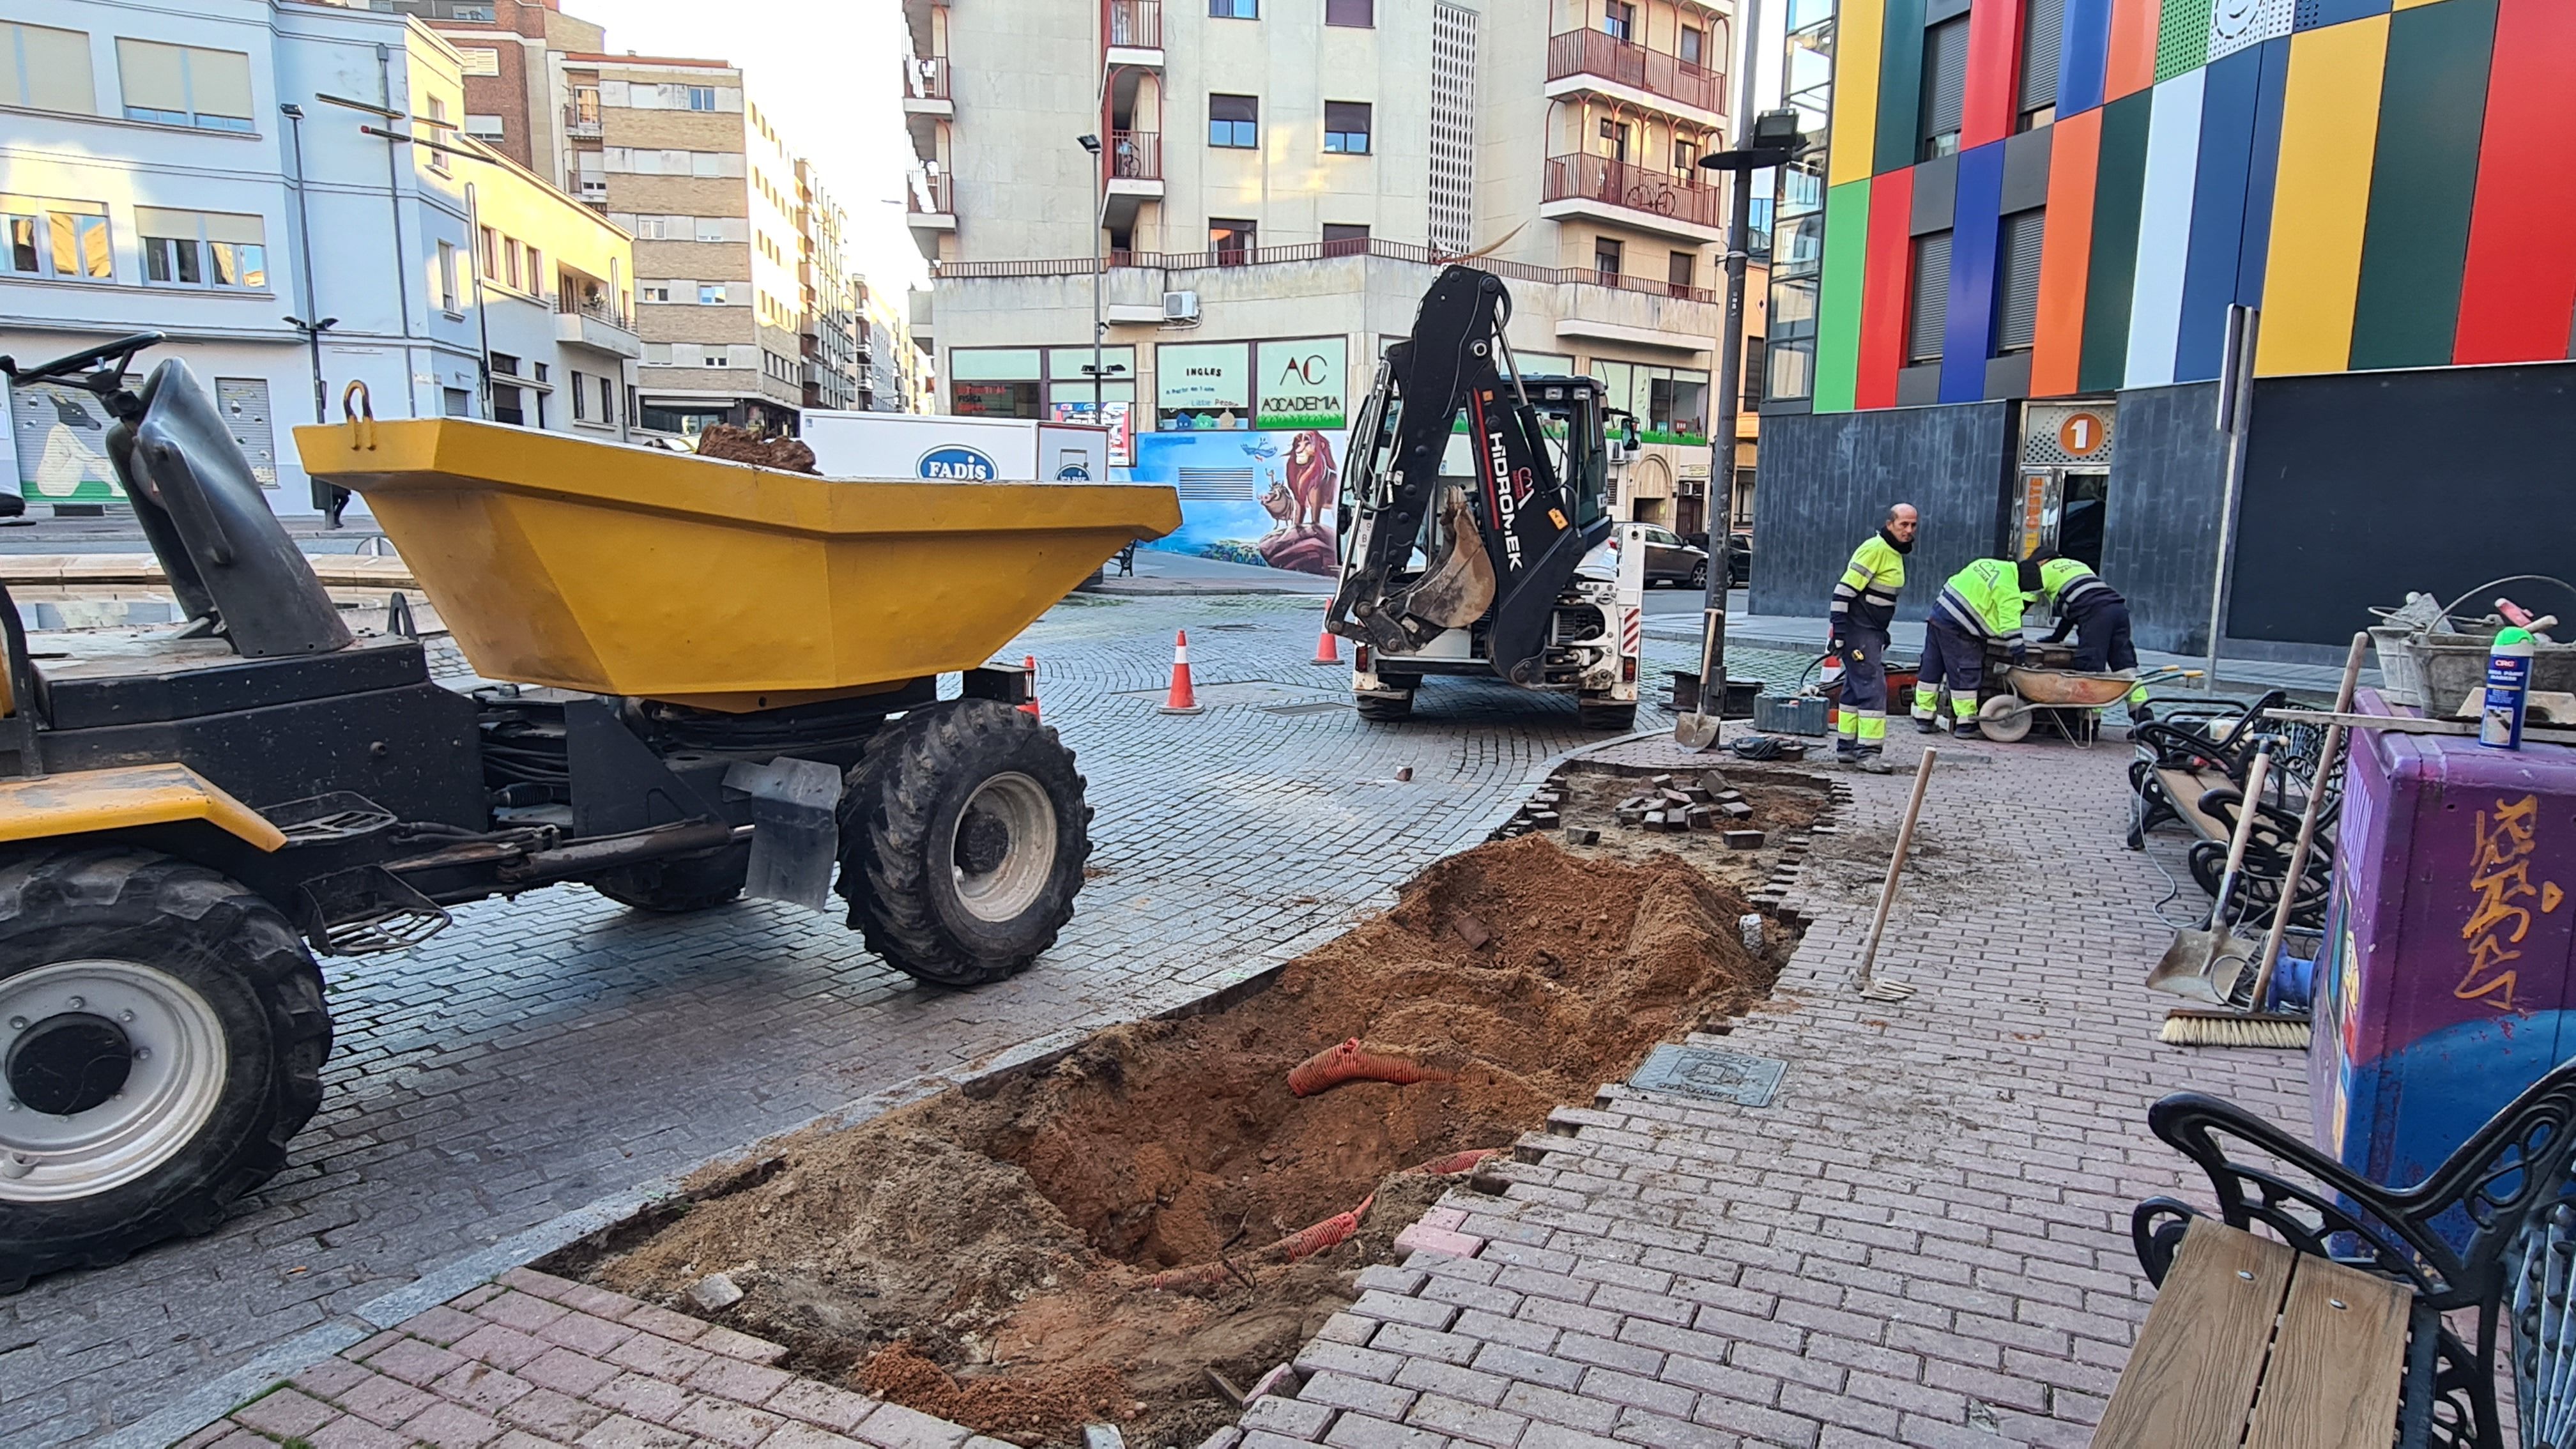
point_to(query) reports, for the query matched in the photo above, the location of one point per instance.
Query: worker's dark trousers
(1861, 717)
(1952, 661)
(2102, 645)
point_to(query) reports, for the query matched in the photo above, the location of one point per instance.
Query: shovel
(2205, 965)
(1697, 730)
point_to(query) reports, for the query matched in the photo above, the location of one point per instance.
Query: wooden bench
(2184, 787)
(2251, 1342)
(2316, 1307)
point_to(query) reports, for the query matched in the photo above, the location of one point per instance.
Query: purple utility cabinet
(2445, 986)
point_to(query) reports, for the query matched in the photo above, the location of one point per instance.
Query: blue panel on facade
(2083, 55)
(2227, 106)
(2263, 169)
(2310, 14)
(1974, 221)
(2164, 229)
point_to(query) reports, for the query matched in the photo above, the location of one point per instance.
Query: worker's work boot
(1870, 761)
(1927, 724)
(1966, 730)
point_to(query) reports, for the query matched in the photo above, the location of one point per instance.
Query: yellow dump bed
(630, 571)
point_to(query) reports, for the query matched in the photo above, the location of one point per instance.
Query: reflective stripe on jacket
(1869, 586)
(1986, 600)
(2068, 585)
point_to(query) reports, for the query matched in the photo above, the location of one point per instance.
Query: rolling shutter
(2017, 271)
(2043, 26)
(1945, 76)
(1929, 316)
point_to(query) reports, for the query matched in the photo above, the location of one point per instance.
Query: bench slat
(2186, 787)
(2335, 1372)
(2191, 1379)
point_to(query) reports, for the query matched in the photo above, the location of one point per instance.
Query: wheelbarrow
(2021, 692)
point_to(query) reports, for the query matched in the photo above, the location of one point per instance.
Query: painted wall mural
(1250, 497)
(2385, 179)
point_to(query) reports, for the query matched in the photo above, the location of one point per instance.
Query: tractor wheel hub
(67, 1064)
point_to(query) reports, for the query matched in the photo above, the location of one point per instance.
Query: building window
(1929, 316)
(449, 299)
(1605, 259)
(653, 291)
(1619, 20)
(183, 85)
(1682, 272)
(64, 239)
(1360, 13)
(536, 272)
(510, 255)
(439, 134)
(714, 294)
(45, 69)
(608, 400)
(1756, 357)
(1345, 241)
(1234, 121)
(1945, 87)
(1234, 9)
(1694, 44)
(1232, 240)
(701, 98)
(2017, 281)
(486, 128)
(1346, 127)
(580, 403)
(1617, 134)
(456, 402)
(1685, 158)
(2043, 27)
(491, 254)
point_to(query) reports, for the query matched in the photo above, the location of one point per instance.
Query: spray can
(2508, 689)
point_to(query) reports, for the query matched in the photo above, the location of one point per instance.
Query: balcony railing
(1135, 24)
(1636, 188)
(928, 196)
(1590, 52)
(598, 309)
(925, 77)
(1318, 252)
(1134, 156)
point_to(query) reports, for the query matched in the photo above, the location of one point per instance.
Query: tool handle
(2326, 766)
(1896, 863)
(2246, 809)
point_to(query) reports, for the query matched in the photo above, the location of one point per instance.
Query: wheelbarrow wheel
(2004, 720)
(963, 837)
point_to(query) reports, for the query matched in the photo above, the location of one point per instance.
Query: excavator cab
(1474, 495)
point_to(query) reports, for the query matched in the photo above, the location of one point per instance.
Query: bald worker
(1856, 634)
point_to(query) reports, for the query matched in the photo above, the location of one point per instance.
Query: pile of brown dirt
(725, 442)
(1004, 1234)
(1785, 803)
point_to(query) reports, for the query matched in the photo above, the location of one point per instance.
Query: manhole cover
(1706, 1072)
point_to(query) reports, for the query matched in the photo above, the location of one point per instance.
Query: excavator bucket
(1460, 587)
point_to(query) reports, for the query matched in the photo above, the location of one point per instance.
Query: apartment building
(833, 345)
(509, 100)
(1277, 181)
(242, 177)
(893, 377)
(2044, 237)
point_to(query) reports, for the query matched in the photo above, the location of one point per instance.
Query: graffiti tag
(2500, 873)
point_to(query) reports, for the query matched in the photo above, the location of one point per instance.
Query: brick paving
(561, 1054)
(1923, 1240)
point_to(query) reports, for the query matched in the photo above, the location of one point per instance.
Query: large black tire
(1606, 716)
(915, 861)
(218, 982)
(674, 887)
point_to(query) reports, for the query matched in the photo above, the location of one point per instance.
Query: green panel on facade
(2119, 194)
(1846, 260)
(2423, 179)
(1900, 85)
(2182, 38)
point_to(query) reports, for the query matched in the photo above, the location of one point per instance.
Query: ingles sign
(1301, 383)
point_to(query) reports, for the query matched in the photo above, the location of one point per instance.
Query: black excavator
(1473, 497)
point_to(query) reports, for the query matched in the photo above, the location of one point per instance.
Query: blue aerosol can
(2508, 689)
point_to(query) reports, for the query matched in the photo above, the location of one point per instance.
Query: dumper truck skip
(711, 679)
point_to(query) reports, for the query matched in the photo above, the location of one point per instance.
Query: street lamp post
(1099, 275)
(1770, 139)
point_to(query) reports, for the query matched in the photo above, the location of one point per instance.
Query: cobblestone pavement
(1923, 1240)
(548, 1055)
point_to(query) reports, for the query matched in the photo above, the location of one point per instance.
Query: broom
(2192, 1026)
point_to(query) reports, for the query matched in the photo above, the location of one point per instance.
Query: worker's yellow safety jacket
(1985, 600)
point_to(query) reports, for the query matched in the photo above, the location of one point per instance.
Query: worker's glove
(2020, 655)
(1833, 642)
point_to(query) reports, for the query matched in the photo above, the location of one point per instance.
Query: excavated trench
(1099, 1237)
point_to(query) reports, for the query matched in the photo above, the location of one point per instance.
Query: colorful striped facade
(2391, 182)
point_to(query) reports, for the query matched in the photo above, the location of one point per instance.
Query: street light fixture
(1770, 139)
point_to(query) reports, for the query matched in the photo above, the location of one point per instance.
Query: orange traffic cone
(1031, 707)
(1183, 699)
(1328, 647)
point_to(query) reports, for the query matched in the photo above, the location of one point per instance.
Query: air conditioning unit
(1180, 306)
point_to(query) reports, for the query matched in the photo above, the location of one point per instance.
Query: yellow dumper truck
(702, 680)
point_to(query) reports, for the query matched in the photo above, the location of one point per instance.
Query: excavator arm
(1505, 544)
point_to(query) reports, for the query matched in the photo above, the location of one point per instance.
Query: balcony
(930, 210)
(1131, 174)
(1618, 193)
(581, 118)
(1132, 32)
(597, 322)
(1581, 61)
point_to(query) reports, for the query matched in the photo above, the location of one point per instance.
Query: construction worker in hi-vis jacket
(2096, 615)
(1983, 601)
(1863, 608)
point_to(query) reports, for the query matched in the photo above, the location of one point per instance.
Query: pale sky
(827, 72)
